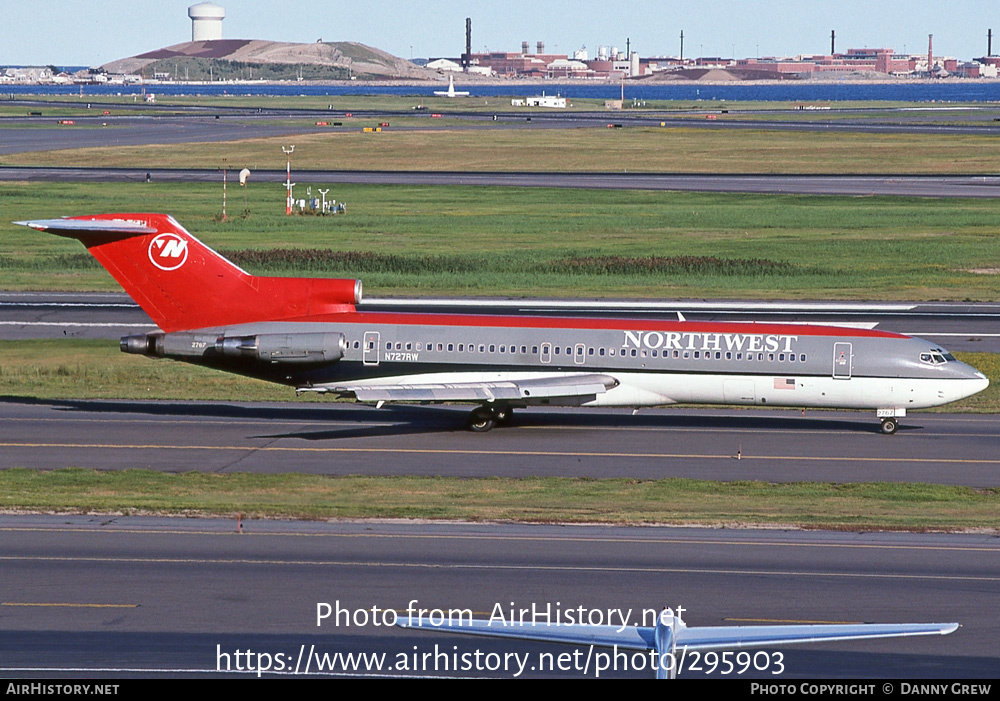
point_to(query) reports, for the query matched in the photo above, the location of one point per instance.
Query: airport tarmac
(106, 596)
(340, 438)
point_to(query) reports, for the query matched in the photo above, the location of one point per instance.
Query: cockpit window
(936, 357)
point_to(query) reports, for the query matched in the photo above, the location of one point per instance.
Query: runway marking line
(66, 605)
(545, 538)
(528, 453)
(494, 566)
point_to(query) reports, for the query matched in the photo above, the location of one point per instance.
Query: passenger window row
(578, 352)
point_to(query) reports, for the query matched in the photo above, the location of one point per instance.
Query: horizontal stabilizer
(80, 228)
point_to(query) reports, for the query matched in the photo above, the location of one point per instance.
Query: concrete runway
(345, 439)
(115, 597)
(20, 137)
(957, 326)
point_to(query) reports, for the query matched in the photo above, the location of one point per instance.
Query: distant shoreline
(473, 79)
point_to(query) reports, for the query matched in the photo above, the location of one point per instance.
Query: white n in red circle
(168, 251)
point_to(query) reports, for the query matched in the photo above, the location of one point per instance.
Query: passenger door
(371, 347)
(842, 361)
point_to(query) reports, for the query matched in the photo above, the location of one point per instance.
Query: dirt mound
(360, 59)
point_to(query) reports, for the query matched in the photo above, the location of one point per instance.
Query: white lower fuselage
(650, 363)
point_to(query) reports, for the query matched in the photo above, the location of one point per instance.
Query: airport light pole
(288, 177)
(224, 169)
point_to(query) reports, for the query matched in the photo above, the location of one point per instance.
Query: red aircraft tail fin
(183, 284)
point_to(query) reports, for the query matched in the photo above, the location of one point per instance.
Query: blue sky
(70, 32)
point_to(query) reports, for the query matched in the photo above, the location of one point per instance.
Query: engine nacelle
(275, 348)
(291, 348)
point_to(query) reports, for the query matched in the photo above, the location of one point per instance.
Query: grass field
(640, 149)
(914, 507)
(531, 241)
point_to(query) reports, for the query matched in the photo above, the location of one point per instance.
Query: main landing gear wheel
(889, 426)
(482, 420)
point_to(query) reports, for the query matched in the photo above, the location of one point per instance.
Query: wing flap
(507, 390)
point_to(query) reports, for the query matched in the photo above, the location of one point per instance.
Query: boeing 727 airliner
(307, 333)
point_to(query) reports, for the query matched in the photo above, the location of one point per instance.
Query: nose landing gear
(889, 426)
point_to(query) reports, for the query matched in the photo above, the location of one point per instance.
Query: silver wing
(579, 387)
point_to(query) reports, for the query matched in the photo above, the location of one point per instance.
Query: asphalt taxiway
(348, 439)
(105, 596)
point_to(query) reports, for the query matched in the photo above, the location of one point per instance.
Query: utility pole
(682, 46)
(288, 177)
(224, 170)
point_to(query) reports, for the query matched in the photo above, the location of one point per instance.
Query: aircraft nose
(982, 382)
(976, 381)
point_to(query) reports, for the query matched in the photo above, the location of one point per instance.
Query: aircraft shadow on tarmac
(358, 421)
(426, 420)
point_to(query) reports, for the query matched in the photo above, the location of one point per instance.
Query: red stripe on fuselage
(587, 323)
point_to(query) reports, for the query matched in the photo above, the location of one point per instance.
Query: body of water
(805, 91)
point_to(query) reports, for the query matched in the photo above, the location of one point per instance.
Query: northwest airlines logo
(693, 340)
(168, 251)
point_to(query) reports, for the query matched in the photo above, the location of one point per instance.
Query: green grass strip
(882, 506)
(543, 242)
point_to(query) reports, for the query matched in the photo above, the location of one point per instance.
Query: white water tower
(206, 21)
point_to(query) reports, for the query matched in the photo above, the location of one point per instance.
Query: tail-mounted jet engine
(273, 348)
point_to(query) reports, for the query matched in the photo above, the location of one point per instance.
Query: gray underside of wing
(723, 637)
(706, 638)
(508, 390)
